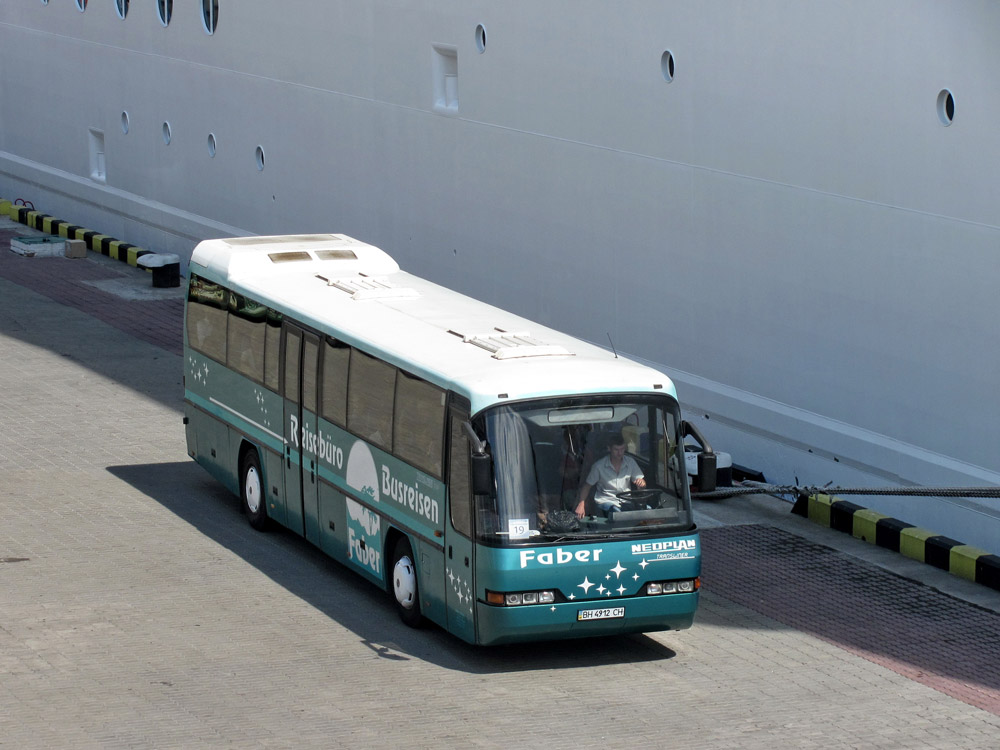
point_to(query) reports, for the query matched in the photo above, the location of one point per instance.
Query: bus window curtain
(517, 490)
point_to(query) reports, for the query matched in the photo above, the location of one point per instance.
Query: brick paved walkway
(922, 634)
(66, 281)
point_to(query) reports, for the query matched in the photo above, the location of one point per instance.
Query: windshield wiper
(560, 536)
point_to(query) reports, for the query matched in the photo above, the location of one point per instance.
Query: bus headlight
(686, 586)
(520, 598)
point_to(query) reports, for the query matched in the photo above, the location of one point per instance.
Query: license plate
(609, 613)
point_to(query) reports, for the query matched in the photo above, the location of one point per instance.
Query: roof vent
(511, 345)
(289, 257)
(341, 254)
(369, 287)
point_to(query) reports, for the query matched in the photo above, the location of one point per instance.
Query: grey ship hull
(799, 225)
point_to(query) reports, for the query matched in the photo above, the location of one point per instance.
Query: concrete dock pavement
(138, 609)
(120, 295)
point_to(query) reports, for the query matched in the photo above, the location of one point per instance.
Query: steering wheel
(637, 498)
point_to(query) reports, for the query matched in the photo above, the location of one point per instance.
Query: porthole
(210, 15)
(667, 65)
(122, 7)
(260, 158)
(211, 145)
(946, 107)
(164, 11)
(481, 38)
(125, 123)
(166, 133)
(81, 5)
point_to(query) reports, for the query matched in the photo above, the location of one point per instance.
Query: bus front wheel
(252, 490)
(405, 593)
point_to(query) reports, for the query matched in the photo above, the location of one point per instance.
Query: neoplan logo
(675, 545)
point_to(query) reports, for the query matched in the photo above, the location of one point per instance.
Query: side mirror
(707, 463)
(482, 464)
(482, 475)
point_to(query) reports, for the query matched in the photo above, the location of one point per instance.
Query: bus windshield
(585, 467)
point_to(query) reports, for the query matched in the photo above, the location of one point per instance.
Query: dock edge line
(164, 267)
(918, 544)
(99, 243)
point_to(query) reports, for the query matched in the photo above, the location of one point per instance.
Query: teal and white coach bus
(437, 445)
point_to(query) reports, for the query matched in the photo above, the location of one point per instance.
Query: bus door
(459, 582)
(301, 360)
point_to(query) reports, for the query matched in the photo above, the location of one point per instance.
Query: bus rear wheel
(252, 490)
(405, 593)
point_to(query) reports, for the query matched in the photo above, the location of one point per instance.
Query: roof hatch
(512, 344)
(363, 287)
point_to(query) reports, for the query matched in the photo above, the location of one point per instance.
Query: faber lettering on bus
(363, 537)
(560, 556)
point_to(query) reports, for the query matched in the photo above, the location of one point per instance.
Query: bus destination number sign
(608, 613)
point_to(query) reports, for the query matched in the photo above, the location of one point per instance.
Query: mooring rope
(761, 488)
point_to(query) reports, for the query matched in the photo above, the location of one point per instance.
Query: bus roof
(355, 292)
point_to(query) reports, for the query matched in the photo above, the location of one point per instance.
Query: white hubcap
(251, 487)
(404, 582)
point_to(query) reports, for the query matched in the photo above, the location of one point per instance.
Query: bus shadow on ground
(187, 491)
(43, 322)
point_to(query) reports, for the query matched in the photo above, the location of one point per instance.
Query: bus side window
(247, 321)
(272, 349)
(418, 423)
(336, 361)
(310, 364)
(207, 315)
(293, 342)
(371, 389)
(459, 483)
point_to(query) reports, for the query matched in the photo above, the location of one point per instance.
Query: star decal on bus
(199, 373)
(261, 404)
(618, 569)
(585, 585)
(461, 590)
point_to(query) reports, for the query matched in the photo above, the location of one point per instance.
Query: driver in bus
(613, 474)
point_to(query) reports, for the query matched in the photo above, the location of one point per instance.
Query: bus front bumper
(537, 622)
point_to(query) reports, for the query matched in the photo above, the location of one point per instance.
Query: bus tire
(252, 490)
(403, 586)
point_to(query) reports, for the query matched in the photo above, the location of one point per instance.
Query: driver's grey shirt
(610, 482)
